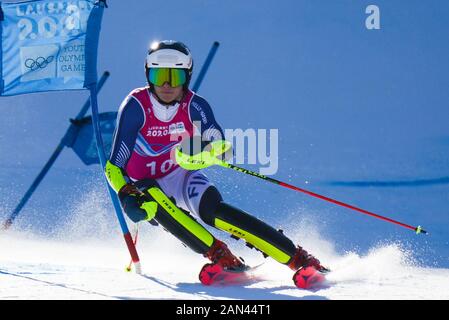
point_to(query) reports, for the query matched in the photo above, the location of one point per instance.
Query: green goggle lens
(175, 77)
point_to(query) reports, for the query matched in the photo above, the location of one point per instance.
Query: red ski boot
(220, 254)
(309, 271)
(303, 259)
(225, 267)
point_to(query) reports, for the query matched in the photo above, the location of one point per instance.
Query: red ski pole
(417, 229)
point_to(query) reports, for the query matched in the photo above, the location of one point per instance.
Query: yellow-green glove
(193, 155)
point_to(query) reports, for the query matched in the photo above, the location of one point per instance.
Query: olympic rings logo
(38, 63)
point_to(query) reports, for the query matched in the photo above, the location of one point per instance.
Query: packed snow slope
(85, 258)
(63, 268)
(361, 117)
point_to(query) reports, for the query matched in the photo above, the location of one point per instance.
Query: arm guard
(114, 176)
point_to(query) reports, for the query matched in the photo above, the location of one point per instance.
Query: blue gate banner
(49, 45)
(85, 145)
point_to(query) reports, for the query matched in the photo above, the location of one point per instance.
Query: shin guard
(254, 231)
(180, 224)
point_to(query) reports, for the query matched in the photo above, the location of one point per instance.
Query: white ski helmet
(169, 54)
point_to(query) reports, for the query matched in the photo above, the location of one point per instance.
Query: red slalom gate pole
(417, 229)
(128, 268)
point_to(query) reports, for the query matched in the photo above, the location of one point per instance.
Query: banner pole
(66, 140)
(100, 149)
(206, 65)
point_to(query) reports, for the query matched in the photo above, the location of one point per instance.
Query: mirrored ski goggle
(175, 77)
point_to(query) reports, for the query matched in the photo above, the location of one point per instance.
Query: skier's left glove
(195, 154)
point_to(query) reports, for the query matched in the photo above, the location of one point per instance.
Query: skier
(153, 123)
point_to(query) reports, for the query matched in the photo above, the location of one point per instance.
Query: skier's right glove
(130, 190)
(138, 205)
